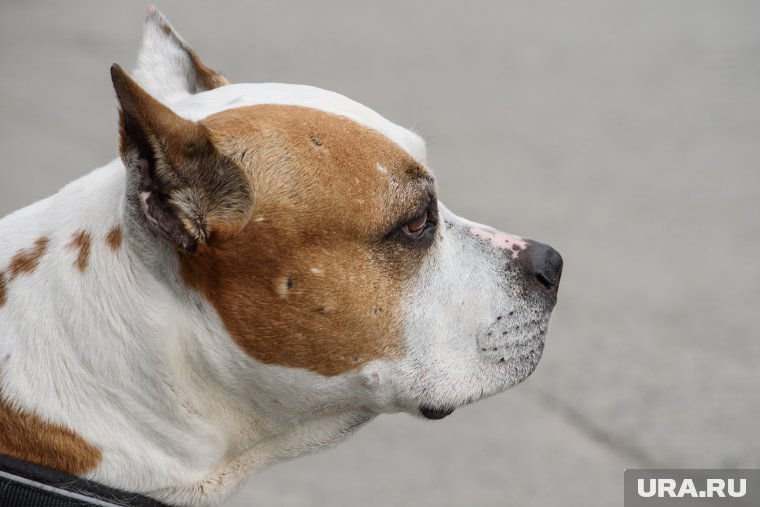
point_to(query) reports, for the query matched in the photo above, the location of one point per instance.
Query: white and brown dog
(265, 269)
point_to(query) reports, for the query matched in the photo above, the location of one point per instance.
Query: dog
(263, 270)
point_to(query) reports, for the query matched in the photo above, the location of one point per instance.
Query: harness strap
(29, 485)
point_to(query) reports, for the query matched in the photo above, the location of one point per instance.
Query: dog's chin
(521, 367)
(435, 413)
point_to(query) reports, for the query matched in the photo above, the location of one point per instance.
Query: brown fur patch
(81, 241)
(114, 238)
(26, 261)
(301, 283)
(28, 437)
(207, 78)
(3, 289)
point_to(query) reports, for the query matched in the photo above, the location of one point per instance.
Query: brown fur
(81, 241)
(26, 436)
(208, 79)
(313, 280)
(3, 289)
(26, 261)
(114, 238)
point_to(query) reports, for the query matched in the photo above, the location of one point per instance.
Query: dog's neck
(109, 335)
(101, 338)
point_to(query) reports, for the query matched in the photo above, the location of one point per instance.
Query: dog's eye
(416, 227)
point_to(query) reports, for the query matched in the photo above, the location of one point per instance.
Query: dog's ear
(167, 67)
(187, 190)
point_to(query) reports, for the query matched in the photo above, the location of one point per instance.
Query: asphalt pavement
(625, 134)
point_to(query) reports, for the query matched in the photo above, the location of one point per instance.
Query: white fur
(152, 378)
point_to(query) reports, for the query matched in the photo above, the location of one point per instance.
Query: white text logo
(716, 488)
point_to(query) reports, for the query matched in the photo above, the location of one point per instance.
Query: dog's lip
(435, 413)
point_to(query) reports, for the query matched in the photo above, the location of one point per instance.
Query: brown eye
(416, 227)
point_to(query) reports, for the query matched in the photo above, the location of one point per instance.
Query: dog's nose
(542, 263)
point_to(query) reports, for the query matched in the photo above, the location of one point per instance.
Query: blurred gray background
(624, 133)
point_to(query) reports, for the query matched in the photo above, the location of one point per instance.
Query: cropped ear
(167, 67)
(188, 191)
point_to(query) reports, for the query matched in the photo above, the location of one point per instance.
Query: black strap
(29, 485)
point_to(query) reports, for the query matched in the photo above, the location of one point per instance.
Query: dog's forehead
(199, 106)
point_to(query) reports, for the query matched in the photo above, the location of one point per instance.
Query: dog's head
(311, 230)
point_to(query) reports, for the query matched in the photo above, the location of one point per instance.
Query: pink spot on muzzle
(502, 240)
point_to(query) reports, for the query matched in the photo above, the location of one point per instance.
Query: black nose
(543, 264)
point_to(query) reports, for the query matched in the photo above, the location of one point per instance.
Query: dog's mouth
(435, 413)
